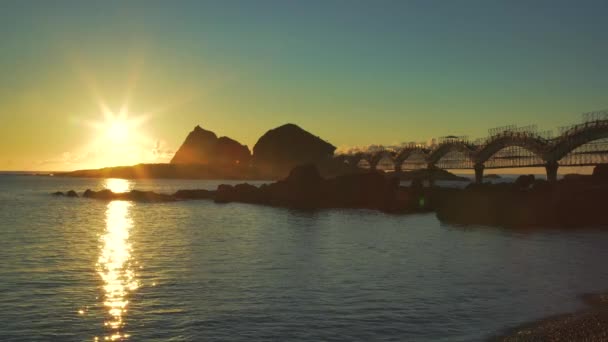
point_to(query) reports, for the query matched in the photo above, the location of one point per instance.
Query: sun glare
(118, 131)
(118, 138)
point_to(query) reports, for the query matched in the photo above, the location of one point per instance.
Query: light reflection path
(115, 262)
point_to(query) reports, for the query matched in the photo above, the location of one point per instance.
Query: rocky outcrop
(286, 146)
(70, 193)
(528, 202)
(194, 194)
(304, 188)
(204, 147)
(573, 202)
(133, 195)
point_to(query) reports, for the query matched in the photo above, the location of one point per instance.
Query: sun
(117, 131)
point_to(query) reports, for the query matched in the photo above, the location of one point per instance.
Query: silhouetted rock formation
(570, 202)
(284, 147)
(133, 195)
(194, 194)
(204, 147)
(70, 193)
(305, 189)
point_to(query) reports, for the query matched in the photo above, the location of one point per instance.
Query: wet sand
(589, 324)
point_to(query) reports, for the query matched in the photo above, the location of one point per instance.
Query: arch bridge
(582, 144)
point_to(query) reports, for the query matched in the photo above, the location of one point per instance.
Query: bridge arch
(531, 143)
(577, 137)
(410, 153)
(448, 148)
(375, 158)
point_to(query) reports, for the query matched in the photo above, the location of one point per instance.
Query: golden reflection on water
(115, 261)
(117, 184)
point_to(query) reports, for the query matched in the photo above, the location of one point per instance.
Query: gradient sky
(352, 72)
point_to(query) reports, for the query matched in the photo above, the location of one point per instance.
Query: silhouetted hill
(204, 147)
(284, 147)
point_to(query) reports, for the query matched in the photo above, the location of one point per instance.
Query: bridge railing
(575, 129)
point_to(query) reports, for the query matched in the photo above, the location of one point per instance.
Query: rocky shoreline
(304, 188)
(528, 202)
(589, 324)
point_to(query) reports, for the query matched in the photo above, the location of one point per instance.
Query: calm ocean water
(86, 270)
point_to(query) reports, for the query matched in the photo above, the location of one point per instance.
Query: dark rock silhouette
(133, 195)
(194, 194)
(198, 147)
(528, 202)
(282, 148)
(305, 189)
(229, 151)
(204, 147)
(570, 202)
(70, 193)
(524, 181)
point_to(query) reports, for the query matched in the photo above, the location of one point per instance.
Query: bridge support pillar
(431, 178)
(551, 168)
(398, 168)
(479, 173)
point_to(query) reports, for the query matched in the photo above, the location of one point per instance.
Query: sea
(75, 269)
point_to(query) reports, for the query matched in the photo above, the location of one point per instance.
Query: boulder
(72, 193)
(524, 181)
